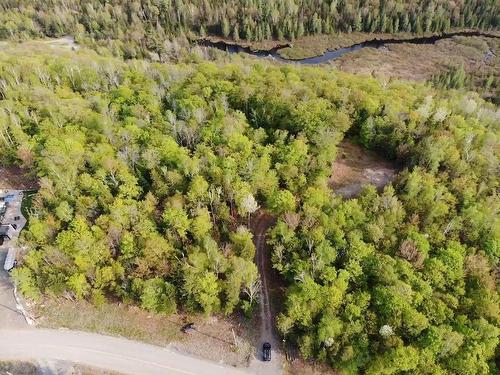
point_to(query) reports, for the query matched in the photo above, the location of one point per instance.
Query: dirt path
(267, 322)
(266, 327)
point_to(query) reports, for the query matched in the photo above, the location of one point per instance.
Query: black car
(266, 351)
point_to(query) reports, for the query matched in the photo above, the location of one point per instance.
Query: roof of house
(6, 230)
(10, 260)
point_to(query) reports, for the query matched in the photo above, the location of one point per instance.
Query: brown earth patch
(302, 367)
(356, 167)
(16, 178)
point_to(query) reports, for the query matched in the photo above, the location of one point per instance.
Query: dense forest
(134, 28)
(150, 175)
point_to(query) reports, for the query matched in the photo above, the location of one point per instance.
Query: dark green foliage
(457, 78)
(136, 27)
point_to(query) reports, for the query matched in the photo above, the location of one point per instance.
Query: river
(334, 54)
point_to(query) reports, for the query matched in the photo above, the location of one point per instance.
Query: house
(9, 198)
(7, 231)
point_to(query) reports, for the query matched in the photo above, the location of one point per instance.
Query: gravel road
(105, 352)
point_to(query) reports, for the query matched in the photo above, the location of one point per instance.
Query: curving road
(105, 352)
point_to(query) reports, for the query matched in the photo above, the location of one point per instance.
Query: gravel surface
(110, 353)
(10, 316)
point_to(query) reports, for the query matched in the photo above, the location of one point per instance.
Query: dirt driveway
(262, 223)
(9, 316)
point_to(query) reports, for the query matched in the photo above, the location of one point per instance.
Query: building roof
(10, 260)
(7, 230)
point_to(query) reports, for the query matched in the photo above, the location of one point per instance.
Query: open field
(356, 167)
(66, 42)
(478, 55)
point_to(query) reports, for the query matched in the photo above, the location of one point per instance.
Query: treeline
(457, 78)
(150, 174)
(137, 27)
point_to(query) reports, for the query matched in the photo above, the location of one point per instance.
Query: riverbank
(419, 59)
(317, 45)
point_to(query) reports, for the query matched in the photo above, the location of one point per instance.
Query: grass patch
(110, 319)
(17, 368)
(85, 370)
(29, 368)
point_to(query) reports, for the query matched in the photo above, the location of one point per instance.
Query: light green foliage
(158, 296)
(395, 361)
(243, 243)
(149, 174)
(201, 224)
(242, 278)
(78, 285)
(203, 290)
(176, 219)
(282, 201)
(26, 282)
(64, 212)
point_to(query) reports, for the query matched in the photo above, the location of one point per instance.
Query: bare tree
(252, 290)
